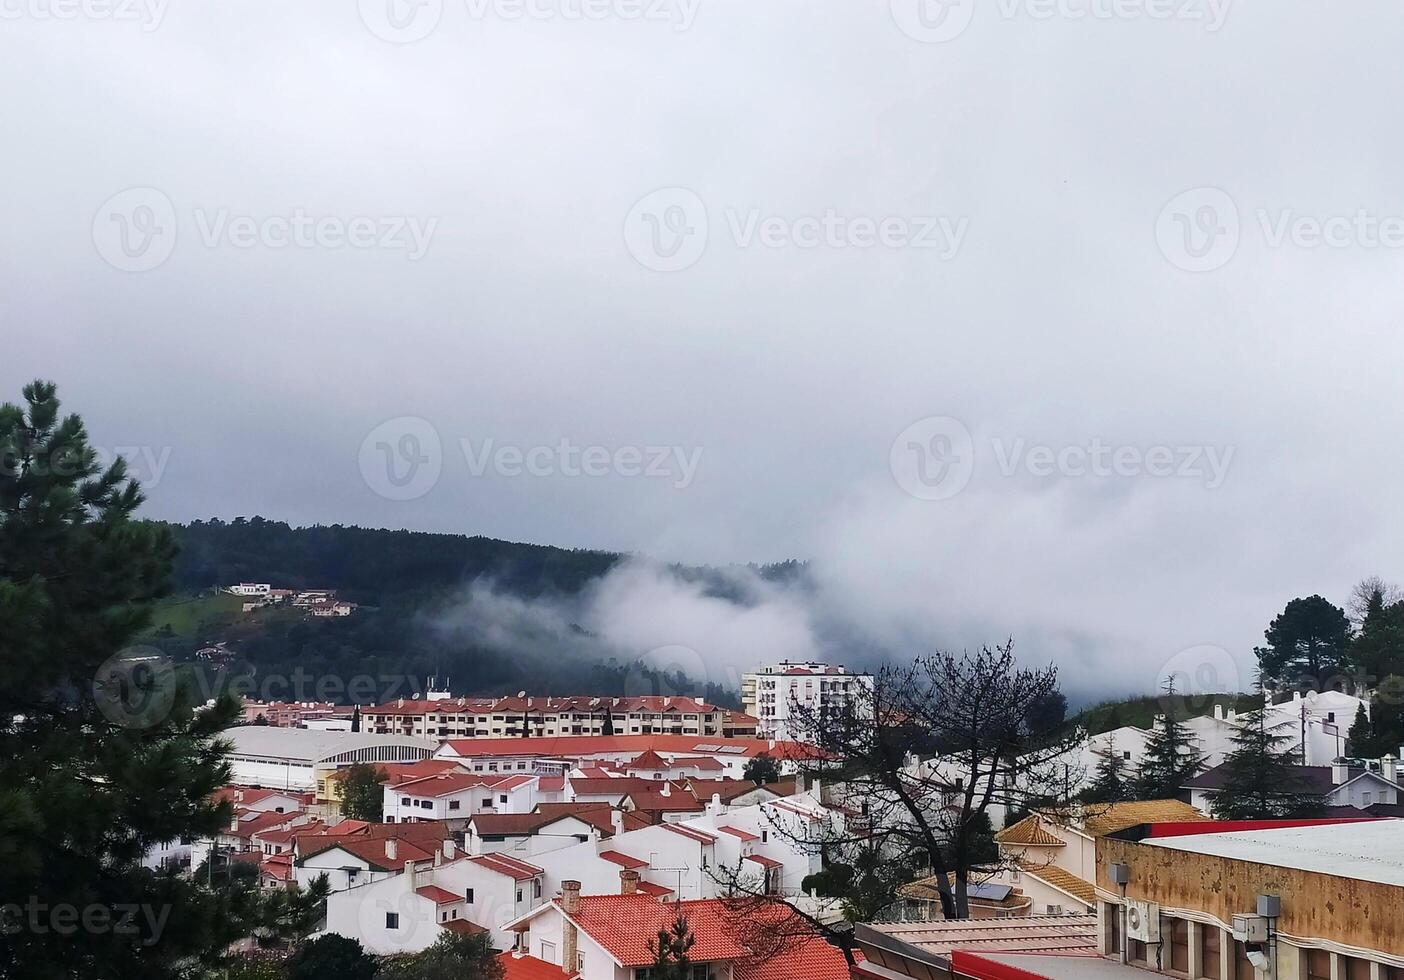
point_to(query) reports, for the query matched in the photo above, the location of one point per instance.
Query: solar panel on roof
(707, 748)
(989, 892)
(731, 748)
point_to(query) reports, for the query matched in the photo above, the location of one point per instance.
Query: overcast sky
(1077, 321)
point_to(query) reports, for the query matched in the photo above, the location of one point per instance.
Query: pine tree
(1171, 757)
(1361, 737)
(670, 951)
(1264, 777)
(101, 753)
(1111, 783)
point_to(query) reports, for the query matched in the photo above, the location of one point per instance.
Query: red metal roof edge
(1200, 827)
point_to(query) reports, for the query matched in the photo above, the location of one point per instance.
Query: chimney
(1389, 766)
(234, 824)
(616, 817)
(667, 788)
(390, 848)
(570, 904)
(628, 882)
(1340, 772)
(1218, 712)
(409, 870)
(450, 849)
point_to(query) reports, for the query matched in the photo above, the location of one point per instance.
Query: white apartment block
(771, 693)
(441, 716)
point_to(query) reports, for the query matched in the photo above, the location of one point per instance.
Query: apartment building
(441, 716)
(772, 693)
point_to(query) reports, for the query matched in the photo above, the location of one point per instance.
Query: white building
(251, 589)
(457, 795)
(298, 758)
(772, 692)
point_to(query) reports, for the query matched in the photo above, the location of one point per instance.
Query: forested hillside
(410, 623)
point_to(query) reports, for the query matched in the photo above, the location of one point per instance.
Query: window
(1367, 798)
(454, 804)
(1054, 910)
(1209, 952)
(392, 920)
(502, 798)
(1318, 964)
(404, 801)
(536, 888)
(548, 951)
(1179, 944)
(470, 896)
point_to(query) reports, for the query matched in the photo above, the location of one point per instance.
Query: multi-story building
(773, 693)
(442, 716)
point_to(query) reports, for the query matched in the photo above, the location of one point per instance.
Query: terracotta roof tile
(1030, 832)
(1102, 819)
(1065, 881)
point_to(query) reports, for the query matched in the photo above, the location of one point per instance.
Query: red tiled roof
(657, 891)
(624, 925)
(738, 832)
(509, 866)
(530, 968)
(671, 803)
(649, 760)
(463, 927)
(764, 861)
(596, 814)
(369, 849)
(437, 895)
(623, 860)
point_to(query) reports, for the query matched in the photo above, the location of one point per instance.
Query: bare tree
(1371, 592)
(911, 766)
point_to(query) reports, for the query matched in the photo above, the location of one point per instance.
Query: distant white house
(251, 589)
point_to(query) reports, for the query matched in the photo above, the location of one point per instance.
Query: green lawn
(184, 614)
